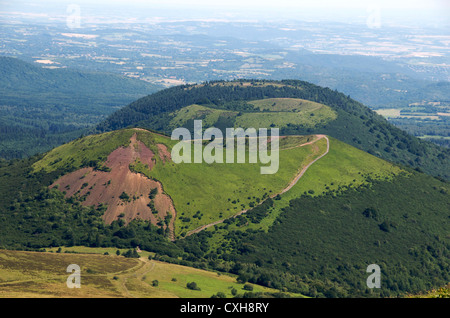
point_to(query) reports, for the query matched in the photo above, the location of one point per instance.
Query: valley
(44, 108)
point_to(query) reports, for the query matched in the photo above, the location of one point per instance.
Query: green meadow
(89, 150)
(203, 193)
(286, 104)
(271, 112)
(209, 115)
(284, 111)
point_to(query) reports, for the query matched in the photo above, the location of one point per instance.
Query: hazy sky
(390, 11)
(326, 4)
(322, 4)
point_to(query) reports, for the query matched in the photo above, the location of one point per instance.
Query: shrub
(131, 254)
(385, 226)
(192, 286)
(371, 213)
(124, 196)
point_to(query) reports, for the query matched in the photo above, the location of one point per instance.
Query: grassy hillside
(271, 112)
(227, 104)
(191, 186)
(90, 150)
(348, 210)
(343, 168)
(232, 187)
(43, 274)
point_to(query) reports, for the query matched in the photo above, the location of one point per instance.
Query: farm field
(425, 120)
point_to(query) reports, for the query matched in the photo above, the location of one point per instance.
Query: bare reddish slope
(97, 187)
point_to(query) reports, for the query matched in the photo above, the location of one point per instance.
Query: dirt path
(302, 172)
(291, 184)
(140, 271)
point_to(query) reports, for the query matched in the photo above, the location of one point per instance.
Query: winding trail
(144, 266)
(290, 185)
(302, 172)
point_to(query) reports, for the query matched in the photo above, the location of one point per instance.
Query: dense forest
(43, 108)
(321, 246)
(356, 124)
(328, 241)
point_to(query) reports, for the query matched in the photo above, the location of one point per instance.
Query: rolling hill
(312, 228)
(244, 103)
(134, 176)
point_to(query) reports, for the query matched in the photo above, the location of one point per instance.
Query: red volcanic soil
(164, 154)
(97, 187)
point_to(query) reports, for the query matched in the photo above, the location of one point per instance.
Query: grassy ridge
(265, 113)
(286, 104)
(283, 112)
(350, 121)
(233, 187)
(192, 187)
(343, 166)
(207, 114)
(82, 151)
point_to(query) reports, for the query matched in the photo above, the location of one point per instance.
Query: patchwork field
(426, 120)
